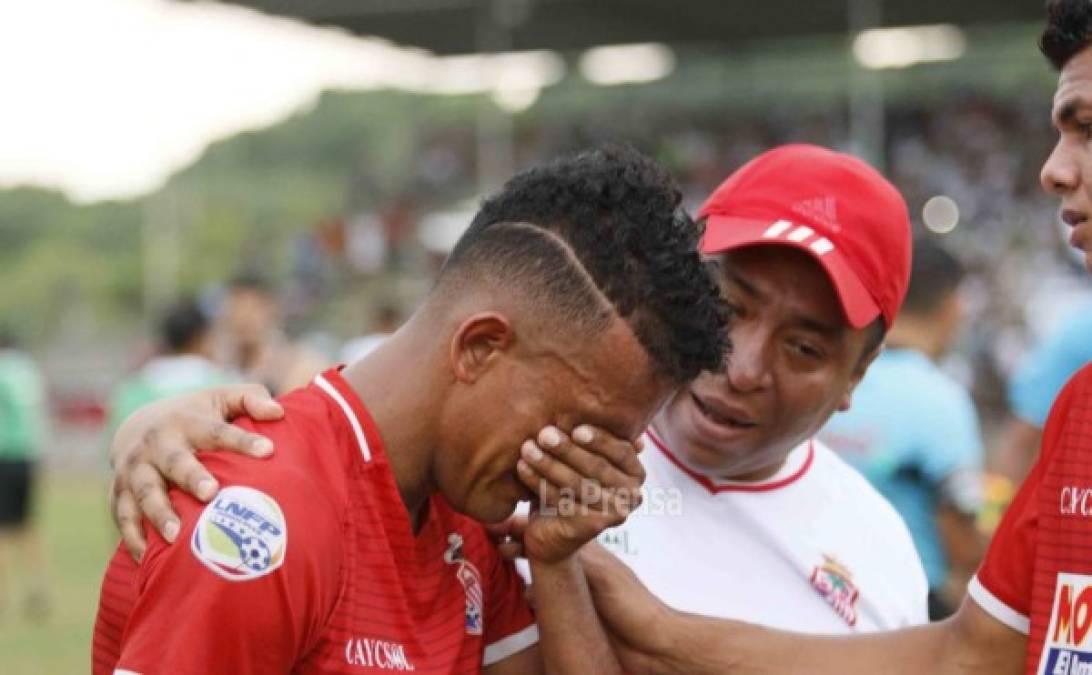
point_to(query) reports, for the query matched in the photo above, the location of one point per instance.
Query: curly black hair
(616, 212)
(1068, 30)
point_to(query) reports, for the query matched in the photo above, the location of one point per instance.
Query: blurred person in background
(184, 363)
(23, 415)
(1041, 374)
(914, 433)
(387, 320)
(255, 345)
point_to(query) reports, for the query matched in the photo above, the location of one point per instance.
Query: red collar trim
(717, 488)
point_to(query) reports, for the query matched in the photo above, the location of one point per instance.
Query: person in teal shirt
(913, 430)
(22, 437)
(1034, 386)
(184, 364)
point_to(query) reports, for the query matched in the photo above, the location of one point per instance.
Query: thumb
(252, 400)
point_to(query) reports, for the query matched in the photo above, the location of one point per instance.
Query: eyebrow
(738, 279)
(1067, 112)
(800, 320)
(816, 326)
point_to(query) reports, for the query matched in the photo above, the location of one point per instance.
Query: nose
(749, 367)
(1061, 173)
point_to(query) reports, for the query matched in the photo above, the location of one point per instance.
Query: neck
(392, 383)
(921, 335)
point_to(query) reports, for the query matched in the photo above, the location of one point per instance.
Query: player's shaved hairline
(597, 314)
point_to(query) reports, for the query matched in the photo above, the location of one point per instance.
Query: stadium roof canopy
(456, 26)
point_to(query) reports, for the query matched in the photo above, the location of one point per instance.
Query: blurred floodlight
(940, 214)
(515, 100)
(622, 64)
(439, 231)
(475, 73)
(902, 47)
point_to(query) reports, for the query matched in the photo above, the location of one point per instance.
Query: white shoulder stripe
(996, 608)
(349, 414)
(513, 644)
(125, 672)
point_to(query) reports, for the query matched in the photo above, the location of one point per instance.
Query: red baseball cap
(834, 206)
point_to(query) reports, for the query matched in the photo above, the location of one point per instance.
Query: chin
(713, 461)
(492, 508)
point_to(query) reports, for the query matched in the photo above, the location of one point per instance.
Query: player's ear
(857, 375)
(478, 344)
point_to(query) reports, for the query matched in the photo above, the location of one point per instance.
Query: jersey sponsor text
(1068, 647)
(377, 654)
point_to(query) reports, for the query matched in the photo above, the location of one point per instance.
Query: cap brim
(725, 233)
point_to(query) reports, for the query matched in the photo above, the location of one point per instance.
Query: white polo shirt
(813, 549)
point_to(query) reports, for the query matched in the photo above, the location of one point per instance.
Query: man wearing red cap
(768, 524)
(814, 251)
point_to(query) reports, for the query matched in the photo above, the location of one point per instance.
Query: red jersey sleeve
(1003, 584)
(247, 585)
(509, 623)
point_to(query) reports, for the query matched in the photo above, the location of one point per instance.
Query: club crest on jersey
(835, 583)
(468, 576)
(241, 534)
(1067, 649)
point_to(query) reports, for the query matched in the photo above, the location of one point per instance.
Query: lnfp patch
(471, 580)
(1067, 648)
(241, 534)
(835, 583)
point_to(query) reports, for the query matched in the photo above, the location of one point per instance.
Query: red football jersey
(307, 563)
(1037, 576)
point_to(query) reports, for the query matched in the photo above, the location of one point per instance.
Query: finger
(180, 467)
(548, 493)
(252, 400)
(559, 474)
(588, 464)
(150, 492)
(127, 518)
(510, 549)
(513, 526)
(621, 453)
(213, 434)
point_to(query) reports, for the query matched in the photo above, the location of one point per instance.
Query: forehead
(785, 277)
(1074, 84)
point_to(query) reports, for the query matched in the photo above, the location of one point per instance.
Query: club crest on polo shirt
(1067, 647)
(471, 580)
(241, 534)
(834, 582)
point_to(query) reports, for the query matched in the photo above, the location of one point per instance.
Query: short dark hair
(182, 325)
(604, 224)
(1068, 30)
(934, 275)
(249, 280)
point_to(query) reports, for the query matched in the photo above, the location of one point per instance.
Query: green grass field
(78, 537)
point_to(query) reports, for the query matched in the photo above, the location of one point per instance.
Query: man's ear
(858, 374)
(477, 344)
